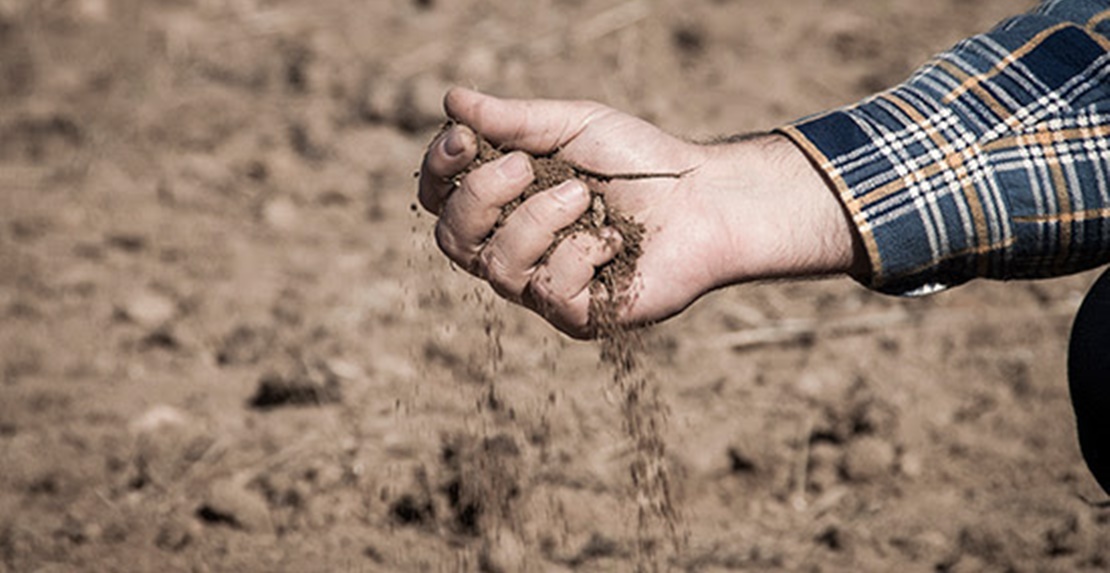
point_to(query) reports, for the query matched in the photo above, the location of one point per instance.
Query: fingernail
(514, 167)
(568, 191)
(454, 144)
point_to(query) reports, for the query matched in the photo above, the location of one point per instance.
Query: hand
(743, 211)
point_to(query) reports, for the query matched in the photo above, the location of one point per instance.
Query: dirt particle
(38, 136)
(245, 345)
(411, 510)
(281, 214)
(420, 103)
(503, 552)
(148, 309)
(689, 40)
(230, 503)
(739, 463)
(868, 458)
(303, 387)
(126, 242)
(174, 535)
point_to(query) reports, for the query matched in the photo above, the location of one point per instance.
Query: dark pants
(1089, 378)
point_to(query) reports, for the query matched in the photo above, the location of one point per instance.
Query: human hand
(738, 211)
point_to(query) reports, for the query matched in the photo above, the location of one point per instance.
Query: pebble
(911, 465)
(157, 418)
(821, 385)
(478, 66)
(868, 458)
(94, 11)
(230, 499)
(421, 105)
(167, 442)
(503, 552)
(281, 214)
(345, 370)
(381, 98)
(175, 535)
(823, 472)
(149, 310)
(312, 134)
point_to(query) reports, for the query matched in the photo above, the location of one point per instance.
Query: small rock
(281, 214)
(503, 552)
(411, 501)
(93, 11)
(911, 465)
(380, 98)
(157, 418)
(302, 387)
(311, 134)
(56, 568)
(175, 535)
(967, 564)
(478, 66)
(231, 503)
(345, 370)
(148, 309)
(821, 385)
(835, 538)
(421, 105)
(867, 458)
(167, 443)
(245, 345)
(823, 472)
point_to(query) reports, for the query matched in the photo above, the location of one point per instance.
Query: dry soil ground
(227, 342)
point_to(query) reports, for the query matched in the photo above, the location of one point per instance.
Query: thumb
(536, 126)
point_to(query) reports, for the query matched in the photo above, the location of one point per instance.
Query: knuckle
(449, 244)
(445, 240)
(469, 188)
(534, 214)
(543, 286)
(579, 248)
(494, 267)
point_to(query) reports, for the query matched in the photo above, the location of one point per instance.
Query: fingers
(469, 215)
(509, 258)
(538, 126)
(446, 157)
(560, 289)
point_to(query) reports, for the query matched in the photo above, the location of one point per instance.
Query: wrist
(779, 217)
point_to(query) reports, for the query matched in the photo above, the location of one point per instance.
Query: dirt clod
(301, 388)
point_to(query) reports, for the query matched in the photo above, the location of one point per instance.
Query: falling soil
(611, 291)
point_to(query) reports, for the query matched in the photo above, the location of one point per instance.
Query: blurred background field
(227, 342)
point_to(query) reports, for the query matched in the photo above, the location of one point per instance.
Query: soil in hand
(615, 277)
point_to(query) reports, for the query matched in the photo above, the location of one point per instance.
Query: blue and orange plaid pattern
(992, 160)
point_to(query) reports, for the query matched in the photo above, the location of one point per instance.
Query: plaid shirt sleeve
(992, 160)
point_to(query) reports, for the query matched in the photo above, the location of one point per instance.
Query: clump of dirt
(643, 412)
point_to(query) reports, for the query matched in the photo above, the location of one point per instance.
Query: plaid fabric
(992, 160)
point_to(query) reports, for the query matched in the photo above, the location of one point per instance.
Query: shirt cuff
(901, 254)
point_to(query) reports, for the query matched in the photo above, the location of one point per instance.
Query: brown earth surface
(227, 342)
